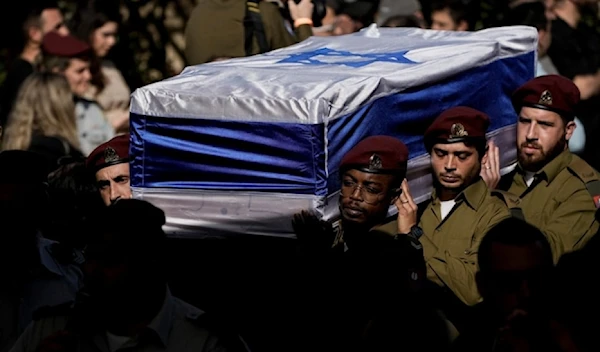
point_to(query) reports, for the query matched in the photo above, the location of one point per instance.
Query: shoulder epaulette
(512, 201)
(588, 176)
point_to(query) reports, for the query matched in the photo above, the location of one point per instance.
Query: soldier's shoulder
(186, 311)
(505, 198)
(585, 177)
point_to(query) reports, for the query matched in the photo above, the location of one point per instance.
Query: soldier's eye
(373, 190)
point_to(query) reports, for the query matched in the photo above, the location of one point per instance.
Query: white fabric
(277, 93)
(529, 177)
(446, 207)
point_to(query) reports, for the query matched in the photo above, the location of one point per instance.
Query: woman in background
(98, 26)
(43, 119)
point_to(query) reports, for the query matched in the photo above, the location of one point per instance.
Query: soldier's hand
(407, 210)
(61, 341)
(303, 9)
(490, 166)
(312, 232)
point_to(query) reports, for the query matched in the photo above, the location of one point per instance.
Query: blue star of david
(307, 58)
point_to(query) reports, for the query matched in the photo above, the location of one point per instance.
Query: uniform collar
(163, 321)
(159, 327)
(553, 168)
(473, 195)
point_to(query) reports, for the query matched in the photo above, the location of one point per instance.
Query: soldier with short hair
(462, 208)
(559, 191)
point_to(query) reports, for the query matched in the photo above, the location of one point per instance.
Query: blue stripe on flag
(227, 155)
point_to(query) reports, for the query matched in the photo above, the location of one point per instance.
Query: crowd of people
(490, 262)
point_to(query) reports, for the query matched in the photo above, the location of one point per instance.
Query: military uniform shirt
(558, 203)
(450, 245)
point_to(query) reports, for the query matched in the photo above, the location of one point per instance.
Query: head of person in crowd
(533, 14)
(73, 198)
(44, 106)
(409, 21)
(405, 13)
(450, 15)
(109, 165)
(371, 176)
(98, 26)
(515, 264)
(352, 15)
(125, 275)
(23, 205)
(546, 108)
(36, 19)
(69, 56)
(457, 144)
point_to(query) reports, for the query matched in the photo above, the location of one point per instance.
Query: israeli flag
(239, 146)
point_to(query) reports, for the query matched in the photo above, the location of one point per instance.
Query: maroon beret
(458, 124)
(55, 44)
(552, 92)
(377, 154)
(115, 151)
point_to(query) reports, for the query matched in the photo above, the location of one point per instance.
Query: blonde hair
(45, 106)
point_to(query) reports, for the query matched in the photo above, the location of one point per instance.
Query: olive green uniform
(560, 201)
(216, 29)
(450, 245)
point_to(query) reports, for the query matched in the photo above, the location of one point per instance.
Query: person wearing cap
(37, 274)
(126, 302)
(372, 179)
(559, 191)
(461, 208)
(372, 176)
(109, 164)
(71, 57)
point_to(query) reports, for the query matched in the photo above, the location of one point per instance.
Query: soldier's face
(455, 165)
(541, 136)
(365, 197)
(113, 183)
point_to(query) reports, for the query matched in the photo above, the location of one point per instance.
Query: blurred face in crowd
(544, 39)
(455, 165)
(365, 197)
(113, 183)
(541, 136)
(517, 276)
(104, 38)
(52, 20)
(442, 21)
(78, 75)
(345, 25)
